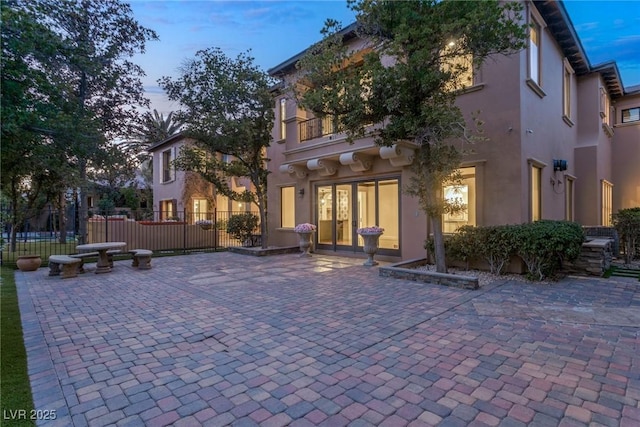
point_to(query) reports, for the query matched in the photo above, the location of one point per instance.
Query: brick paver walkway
(226, 339)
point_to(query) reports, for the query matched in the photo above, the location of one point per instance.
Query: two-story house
(185, 195)
(564, 143)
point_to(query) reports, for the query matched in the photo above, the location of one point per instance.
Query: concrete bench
(111, 253)
(81, 257)
(141, 258)
(69, 266)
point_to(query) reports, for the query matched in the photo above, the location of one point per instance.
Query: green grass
(15, 390)
(44, 249)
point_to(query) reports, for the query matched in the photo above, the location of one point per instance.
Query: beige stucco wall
(626, 157)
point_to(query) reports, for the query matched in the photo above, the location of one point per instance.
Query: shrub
(241, 226)
(497, 244)
(464, 244)
(627, 224)
(544, 244)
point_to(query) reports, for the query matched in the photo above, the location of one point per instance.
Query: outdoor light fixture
(559, 165)
(301, 192)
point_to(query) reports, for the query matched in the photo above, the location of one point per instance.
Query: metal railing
(316, 128)
(181, 234)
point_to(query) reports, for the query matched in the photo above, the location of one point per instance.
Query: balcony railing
(316, 128)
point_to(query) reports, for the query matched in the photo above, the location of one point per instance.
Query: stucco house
(564, 144)
(185, 195)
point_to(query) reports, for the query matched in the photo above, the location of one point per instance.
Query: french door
(342, 208)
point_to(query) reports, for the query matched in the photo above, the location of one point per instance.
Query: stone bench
(69, 266)
(81, 257)
(110, 254)
(141, 258)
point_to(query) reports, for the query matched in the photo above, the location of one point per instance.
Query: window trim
(282, 187)
(570, 197)
(629, 109)
(167, 174)
(606, 202)
(534, 163)
(567, 92)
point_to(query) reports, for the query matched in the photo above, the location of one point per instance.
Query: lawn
(16, 401)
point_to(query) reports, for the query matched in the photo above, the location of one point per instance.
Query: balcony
(316, 128)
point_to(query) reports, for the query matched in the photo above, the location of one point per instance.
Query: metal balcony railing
(316, 128)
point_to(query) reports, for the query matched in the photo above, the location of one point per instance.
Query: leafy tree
(98, 85)
(228, 110)
(405, 78)
(31, 161)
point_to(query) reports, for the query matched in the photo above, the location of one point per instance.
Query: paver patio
(226, 339)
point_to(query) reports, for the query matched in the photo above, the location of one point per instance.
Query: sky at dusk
(277, 30)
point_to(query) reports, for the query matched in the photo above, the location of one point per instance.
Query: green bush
(497, 244)
(544, 244)
(242, 226)
(464, 244)
(627, 224)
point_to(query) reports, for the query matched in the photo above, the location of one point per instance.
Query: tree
(32, 160)
(154, 127)
(405, 79)
(228, 110)
(99, 86)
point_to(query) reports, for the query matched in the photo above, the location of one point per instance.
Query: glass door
(343, 208)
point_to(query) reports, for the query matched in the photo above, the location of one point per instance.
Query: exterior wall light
(559, 165)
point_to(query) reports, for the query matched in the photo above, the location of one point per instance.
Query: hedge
(543, 245)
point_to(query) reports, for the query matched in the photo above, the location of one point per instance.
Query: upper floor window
(461, 67)
(283, 124)
(605, 111)
(535, 33)
(167, 167)
(566, 92)
(631, 115)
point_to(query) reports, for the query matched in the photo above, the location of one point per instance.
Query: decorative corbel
(397, 155)
(323, 166)
(300, 171)
(358, 162)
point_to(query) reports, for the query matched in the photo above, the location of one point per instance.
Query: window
(167, 167)
(463, 195)
(566, 93)
(605, 111)
(535, 33)
(460, 66)
(200, 209)
(568, 198)
(631, 115)
(168, 209)
(288, 207)
(607, 190)
(283, 124)
(536, 193)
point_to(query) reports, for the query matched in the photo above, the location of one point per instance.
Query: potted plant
(304, 231)
(205, 224)
(370, 235)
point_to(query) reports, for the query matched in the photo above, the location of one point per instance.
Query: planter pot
(29, 262)
(206, 226)
(305, 244)
(370, 247)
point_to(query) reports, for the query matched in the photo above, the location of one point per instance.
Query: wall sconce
(301, 192)
(559, 165)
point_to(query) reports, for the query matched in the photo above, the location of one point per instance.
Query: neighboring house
(556, 126)
(185, 195)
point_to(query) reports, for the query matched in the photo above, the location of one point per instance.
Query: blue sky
(276, 30)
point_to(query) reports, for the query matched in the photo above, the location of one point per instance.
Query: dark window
(631, 115)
